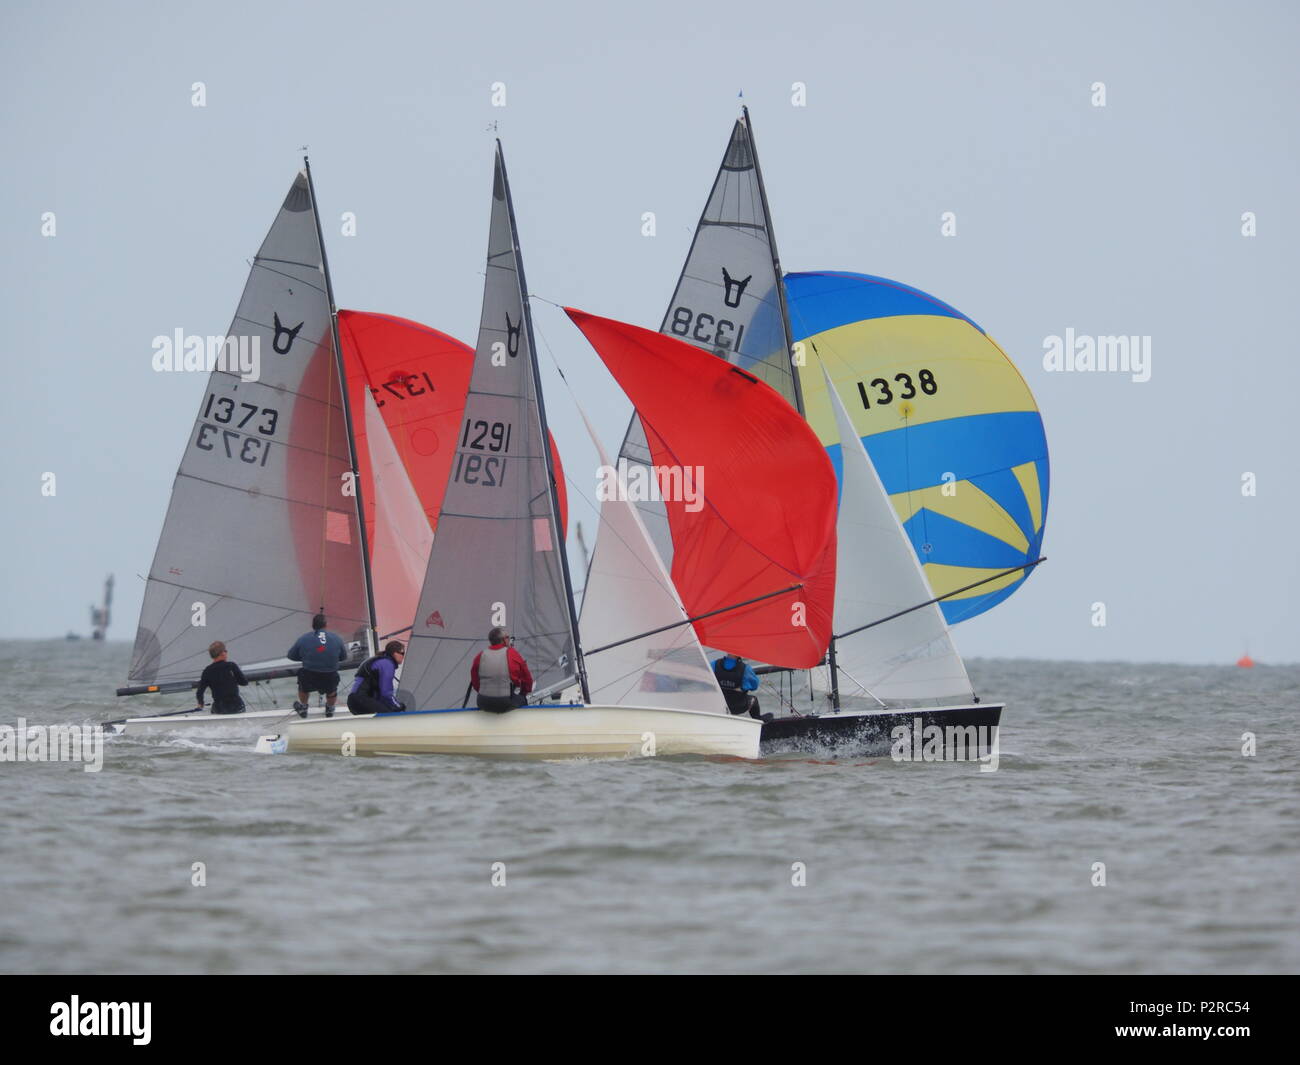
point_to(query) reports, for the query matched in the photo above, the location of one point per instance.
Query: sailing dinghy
(499, 559)
(264, 526)
(731, 300)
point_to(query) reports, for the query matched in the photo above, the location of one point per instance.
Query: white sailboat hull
(249, 723)
(533, 732)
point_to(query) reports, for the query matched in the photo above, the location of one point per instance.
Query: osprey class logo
(733, 289)
(290, 335)
(434, 619)
(512, 336)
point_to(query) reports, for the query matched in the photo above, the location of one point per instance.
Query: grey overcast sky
(1122, 219)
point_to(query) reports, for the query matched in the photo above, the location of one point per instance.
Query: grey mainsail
(498, 556)
(262, 529)
(729, 299)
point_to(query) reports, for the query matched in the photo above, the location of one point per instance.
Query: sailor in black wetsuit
(225, 679)
(738, 682)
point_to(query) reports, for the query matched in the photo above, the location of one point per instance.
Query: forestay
(496, 555)
(261, 531)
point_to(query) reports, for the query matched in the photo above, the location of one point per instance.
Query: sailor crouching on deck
(320, 652)
(738, 683)
(374, 690)
(224, 678)
(500, 675)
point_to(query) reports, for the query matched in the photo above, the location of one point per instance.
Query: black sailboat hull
(870, 732)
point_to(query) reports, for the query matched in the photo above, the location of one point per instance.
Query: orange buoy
(1246, 662)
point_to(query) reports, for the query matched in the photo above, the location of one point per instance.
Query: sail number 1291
(488, 469)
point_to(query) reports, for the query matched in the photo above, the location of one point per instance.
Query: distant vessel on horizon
(99, 615)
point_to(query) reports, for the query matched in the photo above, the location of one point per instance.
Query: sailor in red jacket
(500, 675)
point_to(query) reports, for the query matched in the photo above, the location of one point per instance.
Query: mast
(371, 630)
(546, 436)
(776, 264)
(835, 678)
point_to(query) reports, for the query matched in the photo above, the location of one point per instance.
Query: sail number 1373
(247, 437)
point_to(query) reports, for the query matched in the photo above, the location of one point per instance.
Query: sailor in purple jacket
(375, 689)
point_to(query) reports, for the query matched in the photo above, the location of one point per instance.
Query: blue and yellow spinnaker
(948, 421)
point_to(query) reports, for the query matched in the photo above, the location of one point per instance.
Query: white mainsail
(910, 658)
(261, 532)
(497, 557)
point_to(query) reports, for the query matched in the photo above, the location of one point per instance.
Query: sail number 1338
(882, 392)
(706, 329)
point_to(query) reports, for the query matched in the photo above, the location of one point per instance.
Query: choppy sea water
(324, 864)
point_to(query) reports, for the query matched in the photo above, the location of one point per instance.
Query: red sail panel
(418, 377)
(328, 559)
(765, 519)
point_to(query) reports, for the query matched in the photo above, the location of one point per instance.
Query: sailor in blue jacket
(737, 681)
(320, 652)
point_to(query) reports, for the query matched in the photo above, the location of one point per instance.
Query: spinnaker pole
(697, 617)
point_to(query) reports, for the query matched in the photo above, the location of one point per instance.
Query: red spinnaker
(419, 378)
(328, 559)
(769, 499)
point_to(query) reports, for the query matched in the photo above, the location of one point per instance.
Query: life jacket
(494, 672)
(369, 677)
(730, 679)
